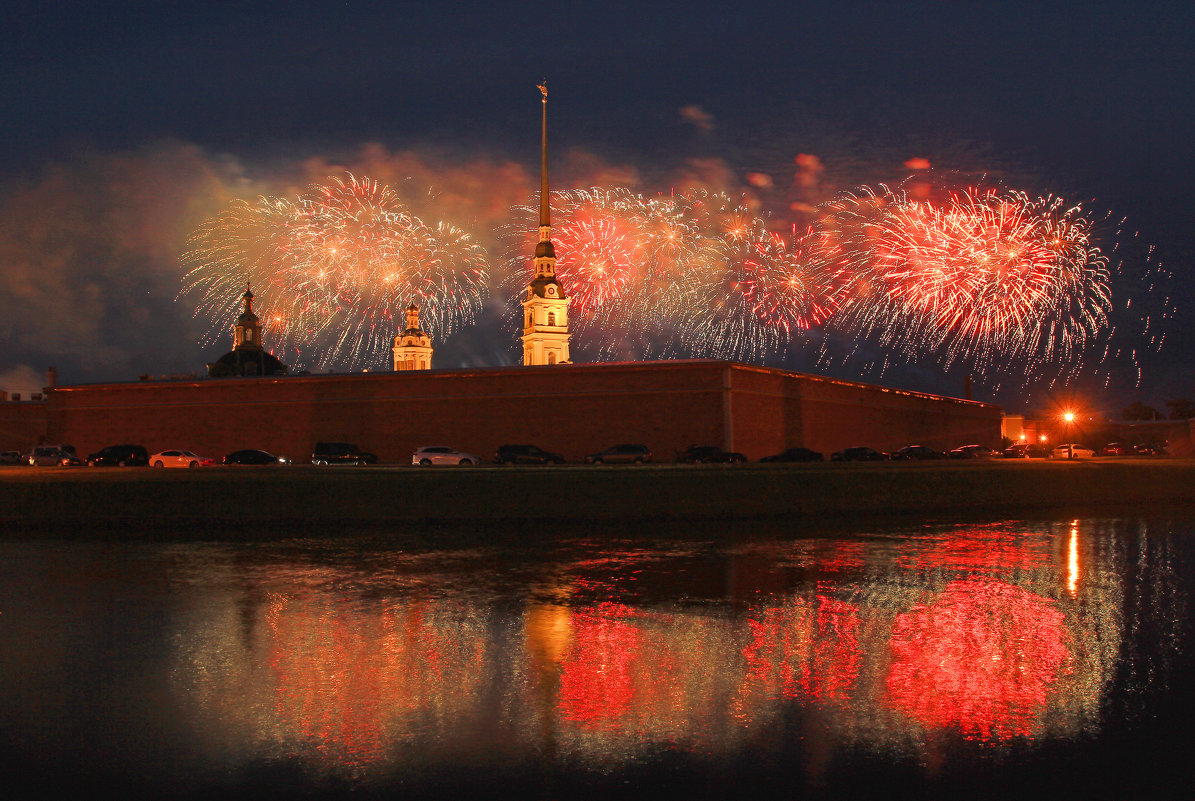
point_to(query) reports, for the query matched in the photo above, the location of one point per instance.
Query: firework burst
(332, 268)
(985, 277)
(693, 275)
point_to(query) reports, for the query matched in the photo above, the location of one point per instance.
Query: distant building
(545, 309)
(248, 357)
(413, 347)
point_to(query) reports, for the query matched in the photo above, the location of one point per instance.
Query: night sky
(125, 125)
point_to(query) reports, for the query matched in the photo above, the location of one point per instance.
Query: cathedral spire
(545, 220)
(545, 328)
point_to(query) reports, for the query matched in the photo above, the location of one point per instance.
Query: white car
(1073, 450)
(179, 459)
(429, 455)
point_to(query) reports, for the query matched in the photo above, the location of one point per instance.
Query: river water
(1044, 658)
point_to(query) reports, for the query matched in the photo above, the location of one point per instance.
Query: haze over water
(1040, 657)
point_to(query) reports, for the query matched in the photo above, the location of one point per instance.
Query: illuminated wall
(664, 405)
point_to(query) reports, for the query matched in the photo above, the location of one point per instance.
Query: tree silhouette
(1181, 408)
(1139, 411)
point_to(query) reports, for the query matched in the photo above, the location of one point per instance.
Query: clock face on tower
(551, 291)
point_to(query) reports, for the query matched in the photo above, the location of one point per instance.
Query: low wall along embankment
(279, 502)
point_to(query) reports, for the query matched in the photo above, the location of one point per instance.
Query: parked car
(1149, 449)
(621, 454)
(119, 456)
(1073, 450)
(1117, 449)
(709, 454)
(340, 453)
(794, 455)
(10, 457)
(254, 457)
(973, 452)
(1026, 450)
(858, 454)
(179, 458)
(53, 455)
(428, 455)
(917, 452)
(526, 454)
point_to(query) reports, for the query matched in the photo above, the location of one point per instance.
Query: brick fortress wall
(571, 409)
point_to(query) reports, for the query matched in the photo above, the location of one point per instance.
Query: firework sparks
(984, 277)
(334, 265)
(694, 275)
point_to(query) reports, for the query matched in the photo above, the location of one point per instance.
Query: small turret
(248, 356)
(413, 347)
(247, 331)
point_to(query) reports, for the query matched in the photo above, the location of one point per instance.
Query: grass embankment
(238, 501)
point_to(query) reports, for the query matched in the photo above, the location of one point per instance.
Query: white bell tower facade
(413, 347)
(545, 308)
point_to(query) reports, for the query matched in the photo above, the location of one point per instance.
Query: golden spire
(544, 218)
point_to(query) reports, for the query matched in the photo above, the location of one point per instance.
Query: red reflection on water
(597, 682)
(352, 680)
(805, 650)
(985, 549)
(841, 555)
(982, 658)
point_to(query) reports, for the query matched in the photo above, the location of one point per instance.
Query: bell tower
(246, 332)
(248, 355)
(413, 347)
(545, 308)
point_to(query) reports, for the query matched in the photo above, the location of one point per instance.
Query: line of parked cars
(125, 455)
(344, 453)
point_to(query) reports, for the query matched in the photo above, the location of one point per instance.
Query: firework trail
(694, 275)
(333, 270)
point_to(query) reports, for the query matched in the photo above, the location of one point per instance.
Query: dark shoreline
(246, 503)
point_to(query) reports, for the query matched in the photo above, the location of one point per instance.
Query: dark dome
(545, 250)
(246, 362)
(540, 283)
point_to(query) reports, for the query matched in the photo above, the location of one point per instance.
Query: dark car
(56, 455)
(794, 455)
(858, 455)
(973, 452)
(1149, 449)
(709, 454)
(916, 452)
(1026, 450)
(10, 457)
(335, 453)
(621, 454)
(251, 456)
(526, 454)
(1117, 449)
(119, 456)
